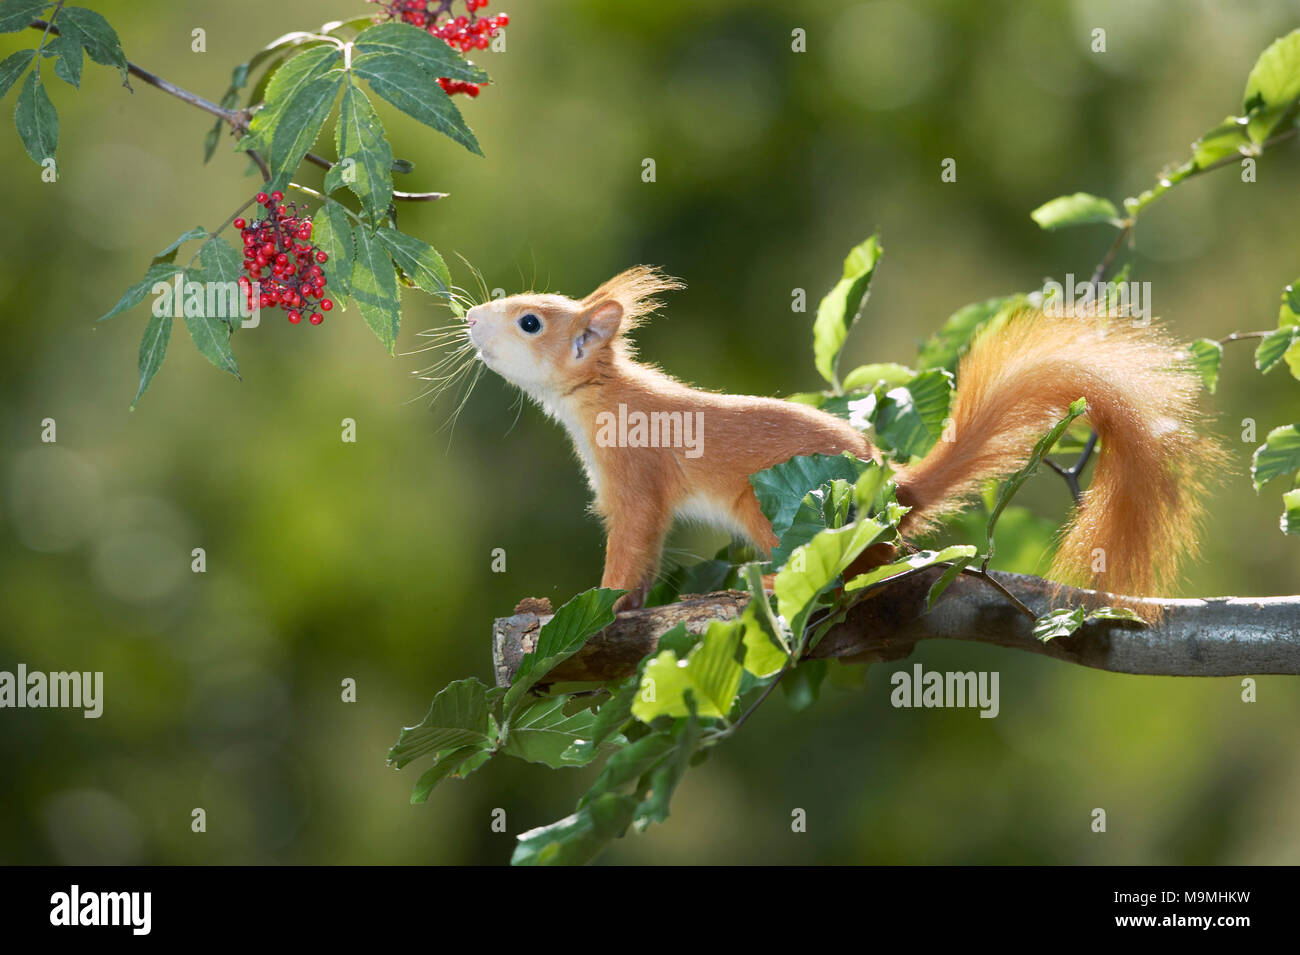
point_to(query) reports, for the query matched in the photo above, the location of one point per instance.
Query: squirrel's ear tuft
(634, 290)
(600, 323)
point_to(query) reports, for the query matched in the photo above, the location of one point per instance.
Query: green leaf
(561, 637)
(418, 260)
(945, 579)
(909, 565)
(446, 764)
(374, 287)
(814, 567)
(12, 66)
(1289, 311)
(667, 773)
(153, 349)
(542, 733)
(866, 377)
(910, 419)
(629, 764)
(945, 347)
(398, 79)
(70, 58)
(458, 716)
(1058, 623)
(295, 74)
(332, 233)
(97, 36)
(17, 15)
(220, 263)
(763, 656)
(1013, 484)
(1117, 614)
(1273, 348)
(1273, 86)
(612, 716)
(822, 507)
(1077, 209)
(1227, 139)
(299, 126)
(710, 673)
(1291, 512)
(37, 122)
(134, 295)
(841, 307)
(426, 52)
(1206, 354)
(169, 254)
(211, 336)
(365, 157)
(781, 488)
(1279, 455)
(579, 838)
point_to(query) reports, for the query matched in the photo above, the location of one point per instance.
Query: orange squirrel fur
(1142, 509)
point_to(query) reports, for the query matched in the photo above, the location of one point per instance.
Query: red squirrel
(1137, 519)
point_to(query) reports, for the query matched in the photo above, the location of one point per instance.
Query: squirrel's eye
(531, 324)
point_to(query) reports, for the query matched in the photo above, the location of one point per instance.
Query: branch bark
(1218, 636)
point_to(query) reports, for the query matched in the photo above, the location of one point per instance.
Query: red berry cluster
(461, 32)
(278, 253)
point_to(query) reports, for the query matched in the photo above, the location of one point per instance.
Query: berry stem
(307, 190)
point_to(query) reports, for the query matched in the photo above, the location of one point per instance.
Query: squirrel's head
(548, 343)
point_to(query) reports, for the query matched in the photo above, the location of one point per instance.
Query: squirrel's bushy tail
(1140, 514)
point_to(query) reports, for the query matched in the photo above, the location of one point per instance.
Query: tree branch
(1219, 636)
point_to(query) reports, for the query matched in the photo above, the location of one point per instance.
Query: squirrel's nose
(470, 318)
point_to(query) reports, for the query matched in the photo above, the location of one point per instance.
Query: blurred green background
(372, 560)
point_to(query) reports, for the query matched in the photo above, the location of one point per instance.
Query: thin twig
(397, 193)
(1242, 336)
(992, 581)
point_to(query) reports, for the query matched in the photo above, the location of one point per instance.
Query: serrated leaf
(838, 311)
(70, 58)
(1081, 208)
(1115, 614)
(763, 656)
(374, 287)
(710, 673)
(17, 15)
(1278, 456)
(910, 419)
(629, 764)
(12, 66)
(458, 716)
(134, 295)
(332, 233)
(1206, 354)
(428, 53)
(667, 773)
(97, 36)
(1272, 349)
(36, 120)
(1272, 86)
(781, 488)
(299, 126)
(419, 260)
(578, 838)
(365, 157)
(219, 263)
(542, 733)
(561, 637)
(169, 254)
(445, 765)
(610, 718)
(153, 349)
(210, 333)
(397, 79)
(284, 84)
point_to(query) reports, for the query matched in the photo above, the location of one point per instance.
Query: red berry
(322, 257)
(295, 317)
(262, 198)
(277, 196)
(316, 318)
(239, 223)
(326, 304)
